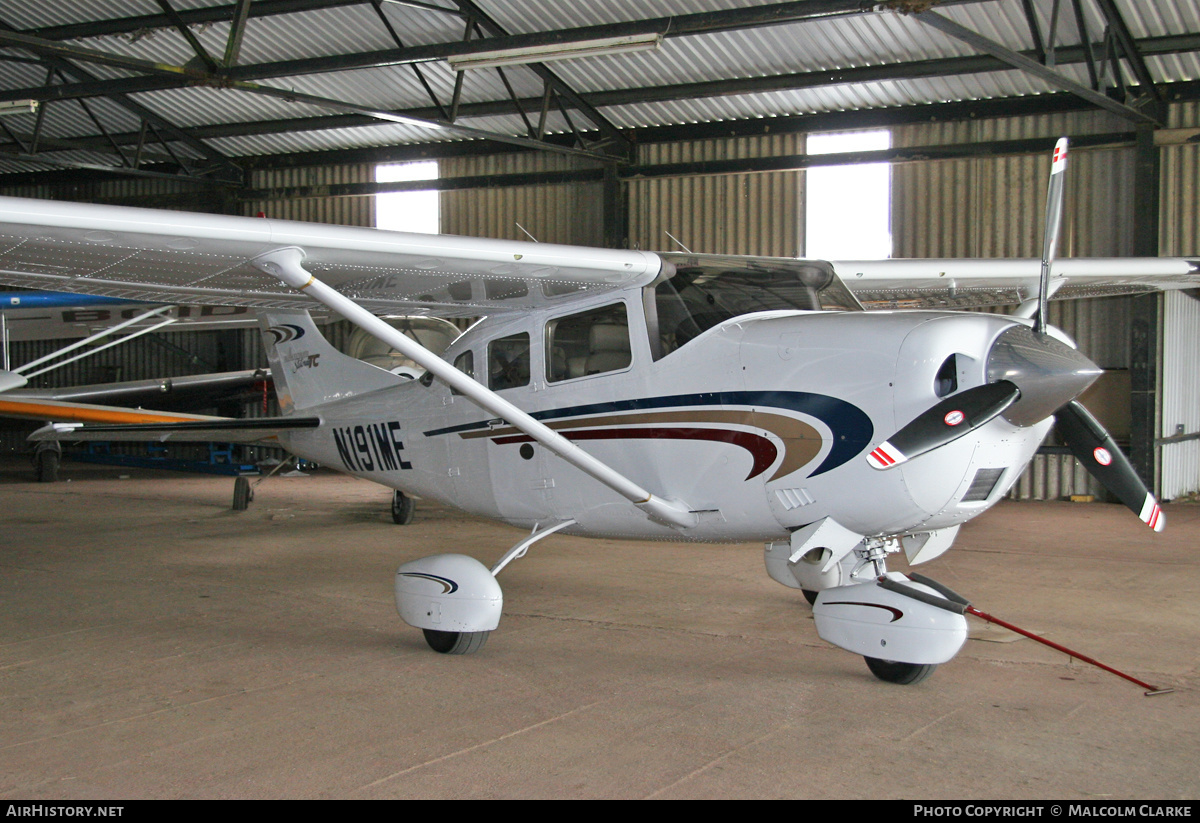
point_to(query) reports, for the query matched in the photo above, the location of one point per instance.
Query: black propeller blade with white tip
(949, 420)
(1054, 210)
(1095, 449)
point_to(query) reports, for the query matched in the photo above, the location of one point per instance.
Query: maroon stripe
(761, 449)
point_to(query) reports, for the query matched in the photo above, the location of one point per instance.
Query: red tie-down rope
(962, 603)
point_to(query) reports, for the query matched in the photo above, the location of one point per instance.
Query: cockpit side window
(508, 362)
(590, 342)
(694, 298)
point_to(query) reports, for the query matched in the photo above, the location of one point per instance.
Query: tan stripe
(801, 442)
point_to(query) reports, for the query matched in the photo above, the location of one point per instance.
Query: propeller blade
(1096, 450)
(1054, 210)
(949, 420)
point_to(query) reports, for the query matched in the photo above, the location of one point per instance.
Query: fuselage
(760, 423)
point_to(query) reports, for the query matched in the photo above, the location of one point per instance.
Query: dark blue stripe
(851, 426)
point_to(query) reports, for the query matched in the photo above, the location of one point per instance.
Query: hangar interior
(643, 124)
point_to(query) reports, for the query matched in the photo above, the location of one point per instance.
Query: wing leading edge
(966, 283)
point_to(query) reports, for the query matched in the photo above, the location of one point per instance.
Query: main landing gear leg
(243, 489)
(454, 599)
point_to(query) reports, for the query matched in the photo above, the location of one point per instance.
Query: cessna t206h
(629, 394)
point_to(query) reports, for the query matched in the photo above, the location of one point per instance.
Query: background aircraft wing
(40, 315)
(168, 257)
(81, 421)
(169, 392)
(949, 283)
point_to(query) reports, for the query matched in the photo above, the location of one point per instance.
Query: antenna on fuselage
(527, 234)
(677, 243)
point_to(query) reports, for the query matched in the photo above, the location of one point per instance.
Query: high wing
(167, 257)
(170, 391)
(913, 283)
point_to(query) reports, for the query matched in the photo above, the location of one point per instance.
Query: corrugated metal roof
(840, 42)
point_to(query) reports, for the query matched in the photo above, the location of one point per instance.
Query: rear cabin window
(508, 362)
(591, 342)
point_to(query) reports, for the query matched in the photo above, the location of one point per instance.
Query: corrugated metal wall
(720, 214)
(1181, 395)
(995, 206)
(1180, 210)
(345, 211)
(571, 213)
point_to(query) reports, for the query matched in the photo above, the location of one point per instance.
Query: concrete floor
(156, 644)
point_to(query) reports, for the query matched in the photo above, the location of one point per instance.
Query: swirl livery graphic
(284, 333)
(448, 585)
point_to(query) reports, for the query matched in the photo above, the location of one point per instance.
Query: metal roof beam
(1151, 46)
(797, 11)
(1019, 61)
(65, 66)
(233, 46)
(898, 71)
(1129, 46)
(552, 80)
(59, 52)
(186, 32)
(188, 17)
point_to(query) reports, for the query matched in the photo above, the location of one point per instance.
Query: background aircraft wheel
(903, 673)
(242, 494)
(403, 508)
(455, 642)
(47, 466)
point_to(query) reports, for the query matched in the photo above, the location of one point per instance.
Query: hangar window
(407, 210)
(848, 208)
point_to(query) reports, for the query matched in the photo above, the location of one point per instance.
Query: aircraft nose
(1048, 372)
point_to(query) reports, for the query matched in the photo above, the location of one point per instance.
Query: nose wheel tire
(455, 642)
(905, 674)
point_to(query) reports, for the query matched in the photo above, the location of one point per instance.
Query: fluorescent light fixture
(556, 51)
(18, 107)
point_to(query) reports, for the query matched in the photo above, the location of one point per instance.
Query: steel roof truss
(1018, 60)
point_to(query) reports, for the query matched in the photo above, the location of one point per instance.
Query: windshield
(697, 292)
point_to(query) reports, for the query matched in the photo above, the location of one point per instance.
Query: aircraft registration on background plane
(609, 393)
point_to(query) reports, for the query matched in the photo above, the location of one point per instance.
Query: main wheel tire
(455, 642)
(810, 596)
(905, 674)
(403, 508)
(242, 494)
(47, 466)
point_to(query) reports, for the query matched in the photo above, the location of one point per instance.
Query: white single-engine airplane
(628, 394)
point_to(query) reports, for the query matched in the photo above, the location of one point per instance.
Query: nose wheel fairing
(878, 622)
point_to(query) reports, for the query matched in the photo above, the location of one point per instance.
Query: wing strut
(285, 264)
